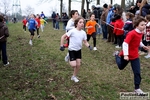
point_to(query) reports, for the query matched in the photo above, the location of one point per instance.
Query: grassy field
(39, 72)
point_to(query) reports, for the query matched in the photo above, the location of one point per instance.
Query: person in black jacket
(134, 9)
(65, 19)
(3, 39)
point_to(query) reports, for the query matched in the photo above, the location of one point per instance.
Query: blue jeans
(54, 23)
(104, 30)
(4, 53)
(99, 30)
(135, 64)
(64, 26)
(57, 25)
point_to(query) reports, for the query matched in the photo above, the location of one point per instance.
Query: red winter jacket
(118, 27)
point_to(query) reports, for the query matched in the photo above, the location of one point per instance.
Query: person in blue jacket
(31, 27)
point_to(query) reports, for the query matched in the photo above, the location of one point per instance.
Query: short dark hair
(137, 21)
(1, 18)
(73, 12)
(77, 20)
(138, 1)
(92, 14)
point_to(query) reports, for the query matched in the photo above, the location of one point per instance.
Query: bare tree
(69, 7)
(82, 6)
(88, 2)
(29, 10)
(64, 9)
(61, 4)
(98, 2)
(6, 6)
(111, 1)
(123, 4)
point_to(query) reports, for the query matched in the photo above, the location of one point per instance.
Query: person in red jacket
(38, 25)
(130, 51)
(118, 26)
(24, 21)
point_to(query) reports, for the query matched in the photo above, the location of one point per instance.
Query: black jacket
(4, 33)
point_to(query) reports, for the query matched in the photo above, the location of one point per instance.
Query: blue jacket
(32, 24)
(145, 10)
(128, 26)
(109, 16)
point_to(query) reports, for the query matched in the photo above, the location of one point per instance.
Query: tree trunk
(61, 5)
(82, 6)
(87, 5)
(69, 7)
(133, 1)
(111, 1)
(98, 2)
(123, 4)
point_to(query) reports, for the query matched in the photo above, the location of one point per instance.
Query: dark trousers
(119, 40)
(3, 52)
(54, 23)
(37, 30)
(24, 27)
(110, 33)
(115, 37)
(104, 30)
(94, 38)
(135, 64)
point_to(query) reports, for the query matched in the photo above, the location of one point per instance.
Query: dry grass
(40, 72)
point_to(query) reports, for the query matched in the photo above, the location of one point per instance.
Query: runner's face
(142, 26)
(75, 15)
(92, 17)
(80, 24)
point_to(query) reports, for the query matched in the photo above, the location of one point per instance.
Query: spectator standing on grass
(147, 35)
(57, 21)
(77, 37)
(130, 51)
(103, 20)
(84, 13)
(65, 19)
(135, 9)
(118, 26)
(88, 14)
(4, 33)
(128, 24)
(54, 19)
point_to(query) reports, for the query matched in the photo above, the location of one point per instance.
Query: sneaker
(116, 53)
(67, 57)
(6, 64)
(148, 56)
(138, 91)
(30, 42)
(117, 46)
(38, 36)
(94, 48)
(73, 78)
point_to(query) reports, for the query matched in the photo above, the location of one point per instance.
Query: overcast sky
(47, 8)
(54, 5)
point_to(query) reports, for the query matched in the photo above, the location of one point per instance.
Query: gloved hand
(62, 48)
(90, 47)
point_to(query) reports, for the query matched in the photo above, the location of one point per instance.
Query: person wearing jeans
(4, 33)
(130, 52)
